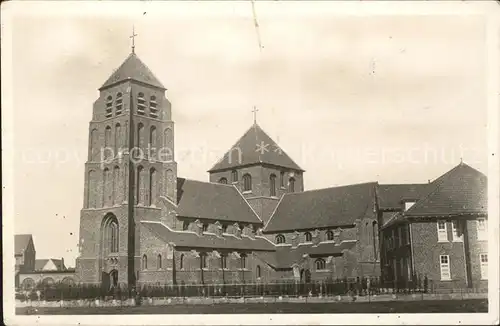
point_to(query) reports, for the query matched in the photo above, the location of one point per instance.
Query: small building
(439, 232)
(24, 253)
(50, 264)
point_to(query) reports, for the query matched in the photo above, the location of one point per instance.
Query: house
(439, 230)
(50, 264)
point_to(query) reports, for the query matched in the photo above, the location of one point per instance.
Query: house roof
(133, 69)
(21, 242)
(285, 257)
(40, 264)
(207, 200)
(190, 239)
(460, 191)
(337, 206)
(390, 196)
(255, 147)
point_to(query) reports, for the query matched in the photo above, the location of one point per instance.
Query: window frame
(280, 239)
(223, 181)
(247, 183)
(442, 234)
(483, 265)
(322, 264)
(330, 236)
(307, 235)
(482, 232)
(454, 231)
(234, 176)
(446, 265)
(272, 185)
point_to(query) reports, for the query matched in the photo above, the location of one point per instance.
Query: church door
(113, 275)
(105, 281)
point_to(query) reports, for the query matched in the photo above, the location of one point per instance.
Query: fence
(328, 288)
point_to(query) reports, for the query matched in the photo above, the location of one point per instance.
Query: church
(252, 221)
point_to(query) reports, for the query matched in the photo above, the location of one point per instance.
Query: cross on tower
(255, 110)
(133, 38)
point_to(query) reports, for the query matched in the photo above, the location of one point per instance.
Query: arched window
(152, 187)
(247, 182)
(28, 284)
(234, 176)
(68, 281)
(144, 262)
(308, 236)
(280, 238)
(152, 137)
(107, 141)
(141, 103)
(139, 189)
(243, 259)
(320, 264)
(118, 139)
(108, 188)
(258, 271)
(153, 109)
(110, 241)
(119, 104)
(169, 180)
(109, 106)
(282, 179)
(203, 260)
(223, 180)
(291, 185)
(91, 189)
(48, 281)
(140, 136)
(223, 261)
(181, 261)
(272, 185)
(168, 145)
(329, 235)
(94, 151)
(116, 185)
(158, 261)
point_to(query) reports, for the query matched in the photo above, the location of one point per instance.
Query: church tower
(260, 169)
(130, 165)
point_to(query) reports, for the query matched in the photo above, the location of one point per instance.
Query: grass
(426, 306)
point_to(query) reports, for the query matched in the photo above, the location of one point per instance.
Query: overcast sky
(392, 99)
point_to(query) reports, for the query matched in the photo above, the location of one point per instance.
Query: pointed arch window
(329, 235)
(272, 185)
(181, 261)
(152, 138)
(247, 182)
(140, 137)
(144, 262)
(243, 259)
(107, 188)
(234, 176)
(91, 189)
(280, 238)
(118, 139)
(107, 141)
(141, 103)
(109, 106)
(110, 234)
(158, 262)
(258, 272)
(170, 184)
(203, 260)
(223, 261)
(308, 236)
(152, 187)
(291, 185)
(320, 264)
(153, 109)
(139, 190)
(168, 145)
(116, 185)
(118, 104)
(223, 180)
(94, 146)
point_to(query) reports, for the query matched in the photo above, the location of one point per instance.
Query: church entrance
(109, 280)
(305, 276)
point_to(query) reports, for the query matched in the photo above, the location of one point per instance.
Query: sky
(387, 98)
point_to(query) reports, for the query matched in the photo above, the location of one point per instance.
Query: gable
(391, 196)
(21, 243)
(321, 208)
(255, 147)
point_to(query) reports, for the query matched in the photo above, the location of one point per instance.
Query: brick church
(251, 222)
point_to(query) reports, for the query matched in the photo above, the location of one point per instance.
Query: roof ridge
(246, 201)
(210, 182)
(335, 187)
(230, 149)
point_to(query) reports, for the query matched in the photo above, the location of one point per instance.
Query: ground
(426, 306)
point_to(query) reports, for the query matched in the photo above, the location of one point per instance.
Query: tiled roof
(21, 242)
(40, 264)
(190, 239)
(285, 257)
(206, 200)
(338, 206)
(133, 69)
(255, 146)
(390, 195)
(462, 190)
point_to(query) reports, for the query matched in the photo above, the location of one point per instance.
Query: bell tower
(130, 165)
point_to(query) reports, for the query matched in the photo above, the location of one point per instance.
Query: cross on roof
(133, 38)
(255, 110)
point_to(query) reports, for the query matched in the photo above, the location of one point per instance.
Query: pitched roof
(21, 242)
(133, 69)
(206, 200)
(190, 239)
(40, 264)
(255, 147)
(462, 190)
(285, 257)
(390, 195)
(337, 206)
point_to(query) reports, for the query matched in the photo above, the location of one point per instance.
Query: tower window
(153, 109)
(223, 180)
(109, 107)
(272, 185)
(291, 185)
(247, 182)
(234, 176)
(118, 104)
(141, 103)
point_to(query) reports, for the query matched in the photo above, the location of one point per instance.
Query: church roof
(460, 191)
(337, 206)
(390, 196)
(133, 69)
(40, 264)
(255, 147)
(21, 242)
(191, 239)
(206, 200)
